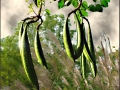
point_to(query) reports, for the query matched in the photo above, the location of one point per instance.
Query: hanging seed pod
(91, 46)
(80, 38)
(39, 51)
(67, 41)
(89, 58)
(27, 59)
(83, 65)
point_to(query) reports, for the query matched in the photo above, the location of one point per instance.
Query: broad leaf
(98, 8)
(75, 3)
(30, 8)
(92, 8)
(85, 4)
(47, 11)
(107, 0)
(104, 3)
(84, 13)
(60, 4)
(38, 3)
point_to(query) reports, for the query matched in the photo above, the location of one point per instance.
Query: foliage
(11, 69)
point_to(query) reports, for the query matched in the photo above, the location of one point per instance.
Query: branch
(40, 23)
(39, 12)
(76, 8)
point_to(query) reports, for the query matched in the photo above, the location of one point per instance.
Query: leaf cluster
(97, 6)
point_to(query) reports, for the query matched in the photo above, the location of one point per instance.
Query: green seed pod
(83, 66)
(67, 41)
(88, 56)
(39, 51)
(91, 46)
(80, 38)
(20, 33)
(27, 59)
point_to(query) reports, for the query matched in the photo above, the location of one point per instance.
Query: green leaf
(60, 4)
(92, 8)
(104, 3)
(85, 4)
(75, 3)
(98, 8)
(47, 11)
(94, 0)
(38, 3)
(30, 10)
(82, 8)
(30, 6)
(84, 13)
(107, 0)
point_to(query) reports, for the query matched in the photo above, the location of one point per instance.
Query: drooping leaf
(85, 4)
(48, 11)
(60, 4)
(107, 0)
(98, 8)
(75, 3)
(39, 3)
(104, 3)
(82, 8)
(30, 8)
(84, 13)
(92, 8)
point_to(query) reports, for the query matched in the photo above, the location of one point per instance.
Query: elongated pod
(80, 38)
(89, 57)
(67, 41)
(91, 45)
(20, 33)
(83, 66)
(39, 51)
(27, 59)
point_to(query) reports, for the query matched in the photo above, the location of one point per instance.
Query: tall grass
(63, 74)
